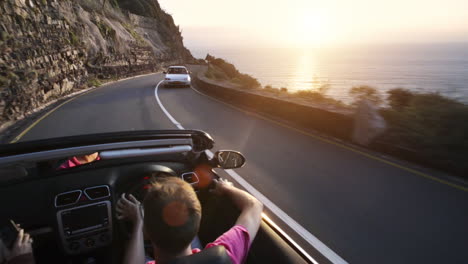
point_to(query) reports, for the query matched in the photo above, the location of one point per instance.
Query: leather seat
(213, 255)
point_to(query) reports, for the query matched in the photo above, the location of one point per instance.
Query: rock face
(368, 123)
(50, 47)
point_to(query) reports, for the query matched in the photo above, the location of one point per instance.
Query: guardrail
(310, 118)
(336, 125)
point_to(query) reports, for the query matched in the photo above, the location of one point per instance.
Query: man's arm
(130, 209)
(251, 208)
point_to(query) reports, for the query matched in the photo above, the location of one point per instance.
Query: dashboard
(84, 217)
(76, 208)
(86, 225)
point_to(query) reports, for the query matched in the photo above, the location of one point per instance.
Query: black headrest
(213, 255)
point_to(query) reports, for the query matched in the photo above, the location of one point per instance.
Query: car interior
(70, 212)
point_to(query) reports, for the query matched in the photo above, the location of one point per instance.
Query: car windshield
(352, 115)
(177, 71)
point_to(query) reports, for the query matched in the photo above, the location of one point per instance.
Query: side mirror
(164, 72)
(228, 159)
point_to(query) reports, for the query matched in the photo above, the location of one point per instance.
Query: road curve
(365, 210)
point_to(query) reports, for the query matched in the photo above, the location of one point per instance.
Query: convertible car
(63, 192)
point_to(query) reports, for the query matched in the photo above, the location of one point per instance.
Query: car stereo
(85, 227)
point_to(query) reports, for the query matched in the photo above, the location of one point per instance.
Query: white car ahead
(177, 76)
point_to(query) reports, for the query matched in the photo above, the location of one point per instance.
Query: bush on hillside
(247, 81)
(140, 7)
(365, 92)
(214, 72)
(110, 8)
(434, 126)
(200, 62)
(399, 98)
(225, 66)
(317, 97)
(229, 72)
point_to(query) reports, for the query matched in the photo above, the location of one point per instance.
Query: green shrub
(248, 81)
(309, 94)
(140, 7)
(214, 73)
(434, 126)
(365, 92)
(399, 98)
(222, 70)
(317, 97)
(94, 82)
(106, 31)
(74, 40)
(139, 39)
(228, 68)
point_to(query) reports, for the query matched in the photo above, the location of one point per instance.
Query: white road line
(306, 235)
(178, 125)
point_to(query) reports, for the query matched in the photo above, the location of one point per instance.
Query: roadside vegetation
(318, 97)
(140, 40)
(425, 127)
(362, 92)
(428, 127)
(108, 8)
(94, 82)
(221, 70)
(429, 124)
(311, 96)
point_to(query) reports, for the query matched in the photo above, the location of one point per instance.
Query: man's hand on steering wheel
(129, 209)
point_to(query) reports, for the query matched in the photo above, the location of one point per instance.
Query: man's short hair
(172, 214)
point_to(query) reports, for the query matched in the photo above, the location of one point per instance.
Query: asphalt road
(365, 210)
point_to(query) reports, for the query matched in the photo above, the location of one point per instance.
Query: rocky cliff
(49, 48)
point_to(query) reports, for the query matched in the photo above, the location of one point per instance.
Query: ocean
(440, 68)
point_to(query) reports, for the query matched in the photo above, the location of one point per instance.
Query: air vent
(97, 192)
(67, 198)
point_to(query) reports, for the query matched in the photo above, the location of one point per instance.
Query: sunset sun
(310, 29)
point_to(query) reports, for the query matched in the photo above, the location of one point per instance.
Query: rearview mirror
(228, 159)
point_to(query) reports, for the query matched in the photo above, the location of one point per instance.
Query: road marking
(306, 235)
(422, 174)
(268, 220)
(18, 137)
(178, 125)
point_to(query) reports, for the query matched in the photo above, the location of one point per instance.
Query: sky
(318, 22)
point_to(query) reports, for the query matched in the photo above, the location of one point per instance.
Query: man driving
(172, 214)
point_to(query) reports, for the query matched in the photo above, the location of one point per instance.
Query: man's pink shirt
(236, 241)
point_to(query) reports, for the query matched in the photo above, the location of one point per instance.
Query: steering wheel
(137, 183)
(140, 186)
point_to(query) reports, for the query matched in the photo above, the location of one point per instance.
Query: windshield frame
(201, 140)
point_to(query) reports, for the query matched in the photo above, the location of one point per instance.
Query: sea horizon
(428, 67)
